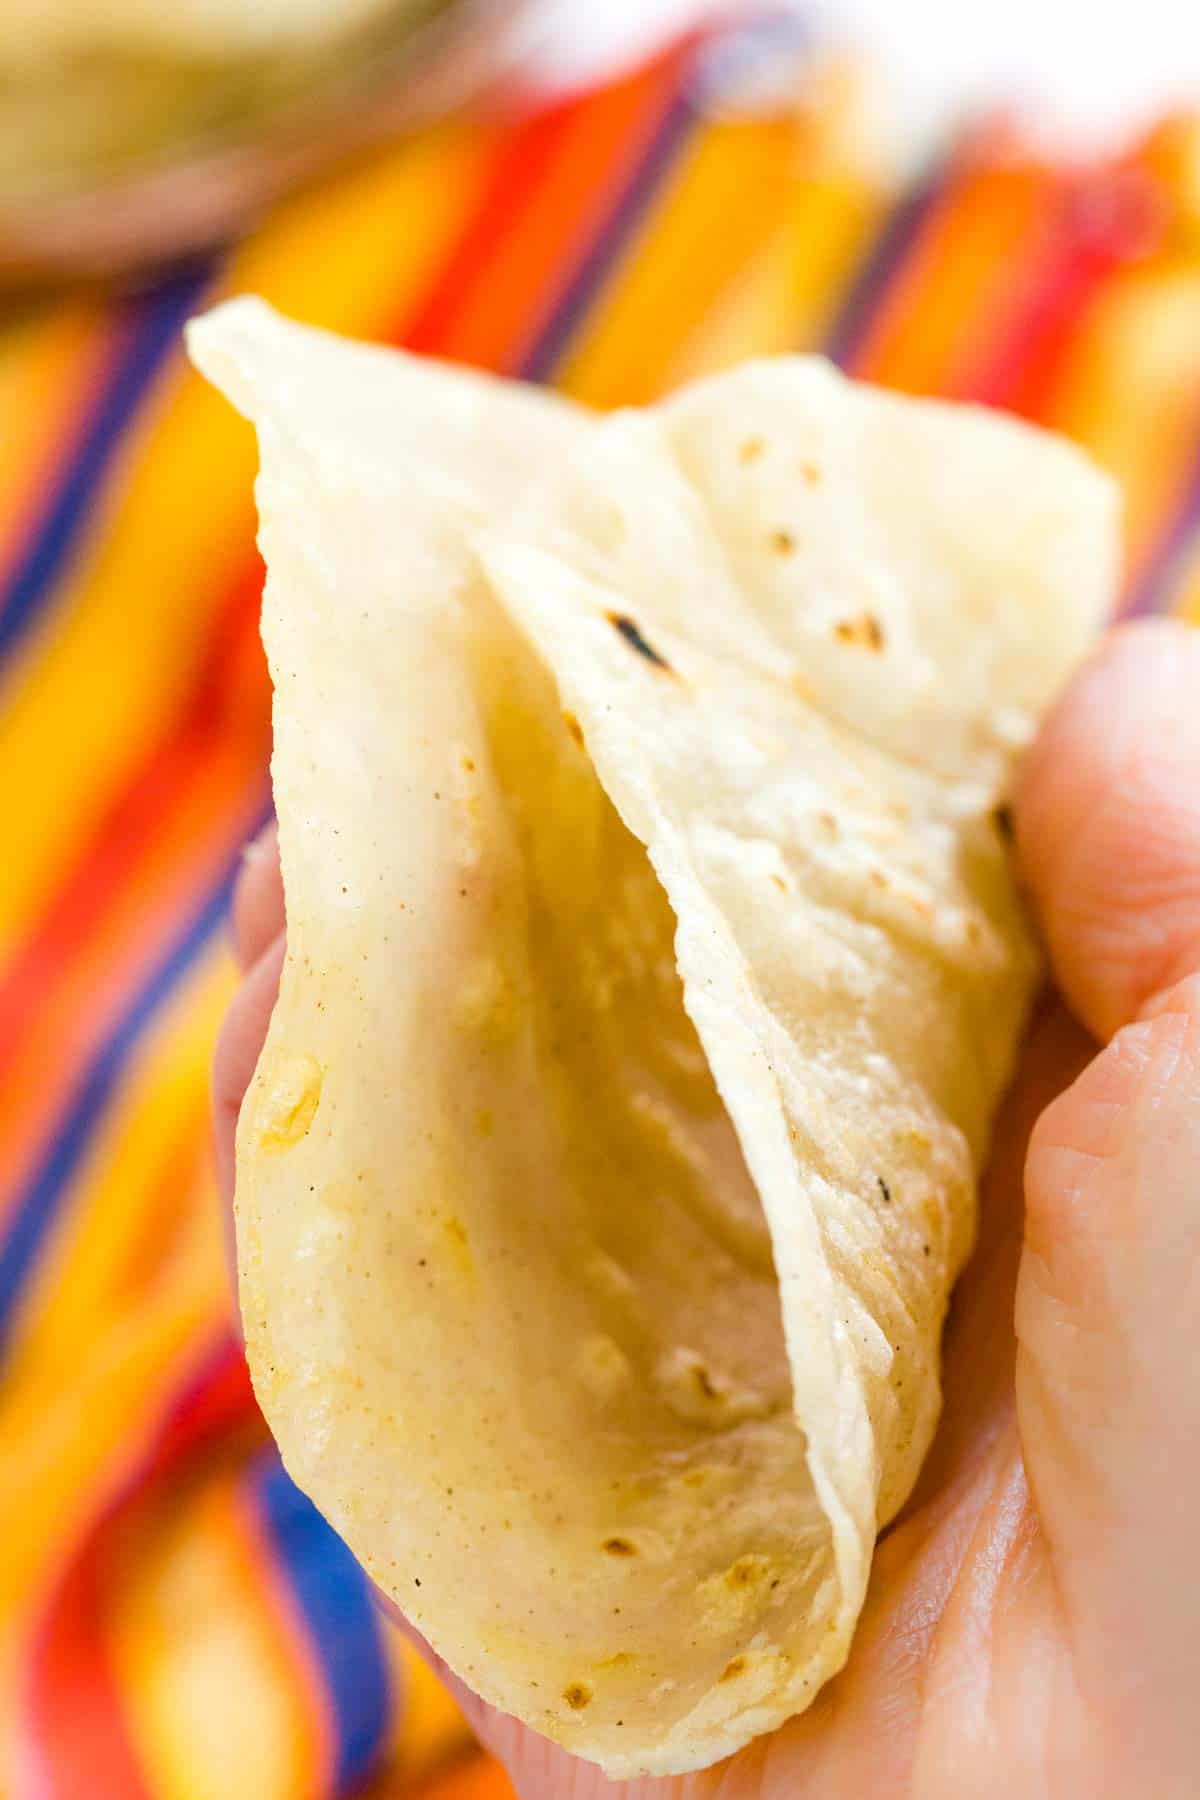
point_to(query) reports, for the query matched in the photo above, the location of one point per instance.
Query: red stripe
(1106, 221)
(536, 217)
(527, 154)
(78, 1739)
(81, 1740)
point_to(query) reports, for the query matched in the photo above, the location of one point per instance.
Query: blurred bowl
(115, 159)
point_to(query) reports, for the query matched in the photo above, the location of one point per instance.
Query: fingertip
(238, 1045)
(1108, 823)
(257, 915)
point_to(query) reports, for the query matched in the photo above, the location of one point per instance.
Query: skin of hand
(1033, 1622)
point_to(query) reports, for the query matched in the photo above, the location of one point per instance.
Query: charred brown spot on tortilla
(577, 1696)
(629, 630)
(810, 472)
(750, 449)
(782, 542)
(1002, 818)
(574, 727)
(865, 631)
(747, 1572)
(704, 1382)
(732, 1670)
(780, 883)
(619, 1546)
(884, 1189)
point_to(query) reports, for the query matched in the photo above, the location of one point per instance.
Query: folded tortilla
(654, 969)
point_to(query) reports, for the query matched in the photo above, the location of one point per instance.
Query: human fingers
(1108, 1402)
(241, 1039)
(1108, 813)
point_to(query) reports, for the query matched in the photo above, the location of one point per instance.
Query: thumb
(1108, 1398)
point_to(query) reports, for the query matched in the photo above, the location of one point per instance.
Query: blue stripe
(1155, 592)
(889, 248)
(38, 1205)
(154, 321)
(334, 1598)
(572, 305)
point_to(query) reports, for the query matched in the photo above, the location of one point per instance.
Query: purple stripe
(592, 272)
(892, 245)
(1154, 592)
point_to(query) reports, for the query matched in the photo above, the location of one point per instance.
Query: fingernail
(256, 849)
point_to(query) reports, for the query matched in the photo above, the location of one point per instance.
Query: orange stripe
(963, 262)
(481, 1778)
(519, 164)
(880, 349)
(1002, 211)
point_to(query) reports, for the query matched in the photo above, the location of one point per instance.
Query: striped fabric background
(175, 1619)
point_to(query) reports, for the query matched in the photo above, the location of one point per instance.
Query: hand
(1033, 1623)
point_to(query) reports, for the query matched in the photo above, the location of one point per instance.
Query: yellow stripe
(83, 1280)
(745, 253)
(786, 296)
(60, 1463)
(432, 1730)
(195, 1567)
(79, 1387)
(44, 362)
(354, 253)
(666, 274)
(784, 299)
